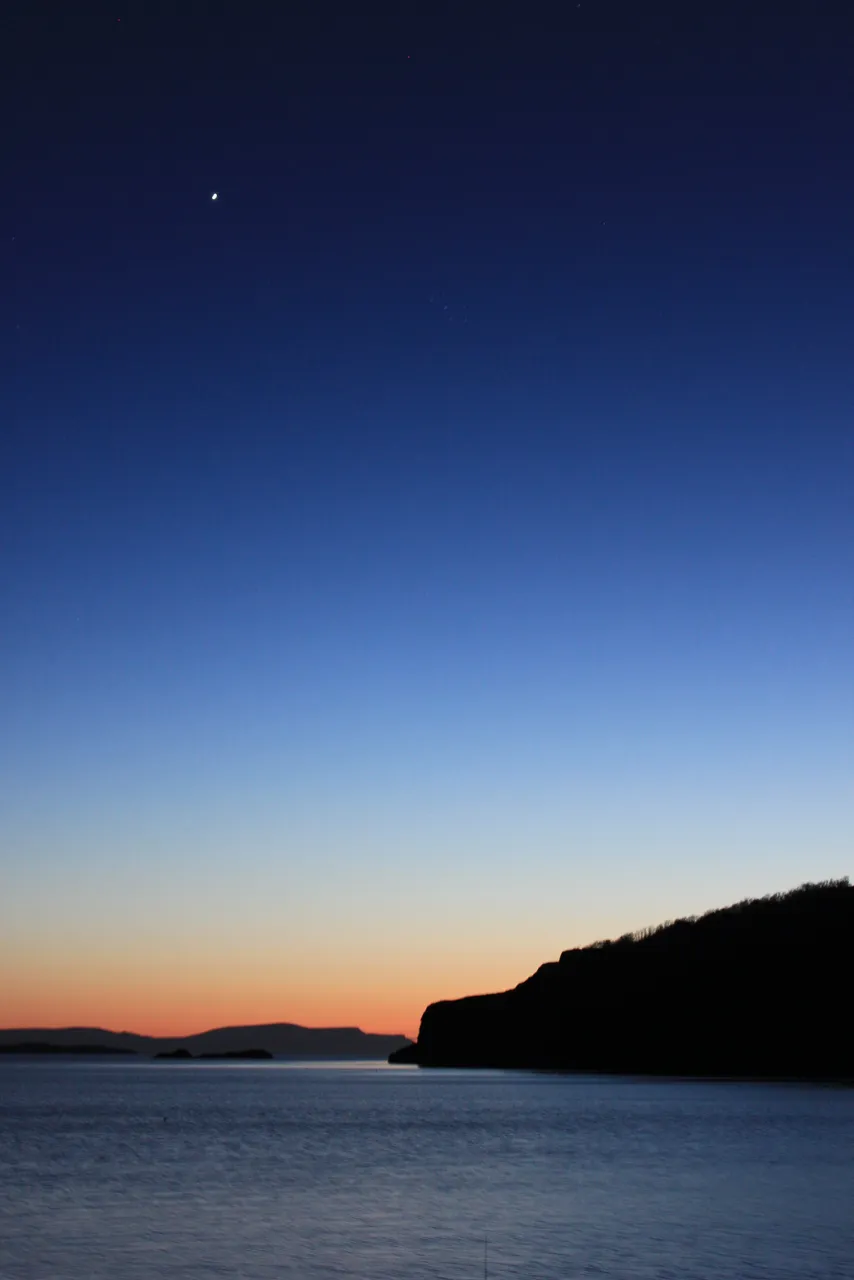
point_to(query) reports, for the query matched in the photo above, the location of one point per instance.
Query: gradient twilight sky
(437, 551)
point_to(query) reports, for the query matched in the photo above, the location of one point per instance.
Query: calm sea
(128, 1171)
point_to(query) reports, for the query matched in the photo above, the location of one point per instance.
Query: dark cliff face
(754, 989)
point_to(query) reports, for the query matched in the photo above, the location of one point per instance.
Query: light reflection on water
(260, 1170)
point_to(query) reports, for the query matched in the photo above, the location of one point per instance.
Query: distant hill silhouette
(42, 1046)
(758, 989)
(281, 1039)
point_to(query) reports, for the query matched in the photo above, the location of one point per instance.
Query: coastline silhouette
(750, 990)
(276, 1039)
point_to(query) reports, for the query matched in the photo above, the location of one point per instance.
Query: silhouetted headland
(758, 989)
(277, 1039)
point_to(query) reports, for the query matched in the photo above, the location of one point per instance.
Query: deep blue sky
(439, 546)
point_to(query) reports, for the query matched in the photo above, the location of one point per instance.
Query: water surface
(136, 1170)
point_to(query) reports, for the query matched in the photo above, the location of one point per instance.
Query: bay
(186, 1171)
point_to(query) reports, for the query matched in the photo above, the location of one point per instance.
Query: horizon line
(230, 1026)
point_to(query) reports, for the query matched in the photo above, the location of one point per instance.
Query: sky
(437, 550)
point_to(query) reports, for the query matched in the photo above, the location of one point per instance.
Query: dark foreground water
(124, 1171)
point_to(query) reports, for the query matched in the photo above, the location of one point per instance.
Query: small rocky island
(236, 1055)
(757, 989)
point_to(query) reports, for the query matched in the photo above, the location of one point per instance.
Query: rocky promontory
(752, 990)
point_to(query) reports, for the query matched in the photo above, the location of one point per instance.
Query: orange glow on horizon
(151, 988)
(159, 999)
(180, 1013)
